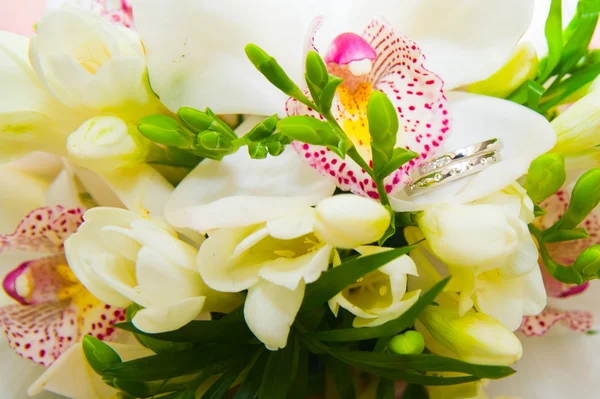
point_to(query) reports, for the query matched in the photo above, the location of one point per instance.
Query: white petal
(216, 266)
(293, 225)
(394, 311)
(523, 262)
(270, 310)
(241, 191)
(159, 319)
(502, 299)
(534, 293)
(163, 282)
(196, 54)
(289, 272)
(524, 133)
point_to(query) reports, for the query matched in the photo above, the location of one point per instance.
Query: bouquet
(319, 199)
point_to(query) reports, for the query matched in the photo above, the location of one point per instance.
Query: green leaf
(166, 131)
(278, 374)
(263, 129)
(414, 391)
(581, 29)
(299, 386)
(154, 344)
(554, 37)
(557, 94)
(538, 211)
(386, 389)
(168, 365)
(391, 230)
(99, 355)
(528, 94)
(201, 331)
(400, 156)
(584, 198)
(342, 378)
(546, 176)
(251, 384)
(222, 385)
(336, 279)
(588, 263)
(274, 73)
(565, 235)
(308, 130)
(388, 329)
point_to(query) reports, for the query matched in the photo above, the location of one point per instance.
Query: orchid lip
(348, 48)
(10, 283)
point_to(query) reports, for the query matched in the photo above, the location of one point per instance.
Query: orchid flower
(54, 310)
(564, 253)
(187, 50)
(119, 12)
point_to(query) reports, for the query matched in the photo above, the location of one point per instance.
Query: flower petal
(524, 133)
(270, 310)
(391, 313)
(292, 226)
(43, 229)
(539, 325)
(159, 319)
(196, 54)
(241, 191)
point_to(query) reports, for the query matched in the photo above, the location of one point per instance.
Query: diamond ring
(450, 157)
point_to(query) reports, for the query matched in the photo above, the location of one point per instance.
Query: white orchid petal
(270, 310)
(292, 226)
(240, 191)
(524, 133)
(159, 319)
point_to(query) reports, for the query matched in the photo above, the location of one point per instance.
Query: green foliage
(99, 355)
(588, 263)
(546, 176)
(279, 373)
(584, 198)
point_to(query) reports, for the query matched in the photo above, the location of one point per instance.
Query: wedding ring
(456, 170)
(450, 157)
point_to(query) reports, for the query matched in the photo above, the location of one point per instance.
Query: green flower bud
(264, 129)
(271, 70)
(194, 119)
(214, 141)
(588, 263)
(165, 130)
(546, 175)
(316, 70)
(409, 343)
(584, 199)
(98, 354)
(308, 130)
(257, 150)
(383, 120)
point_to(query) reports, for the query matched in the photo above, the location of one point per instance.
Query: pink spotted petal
(98, 321)
(578, 321)
(43, 229)
(417, 92)
(349, 47)
(37, 281)
(118, 12)
(40, 333)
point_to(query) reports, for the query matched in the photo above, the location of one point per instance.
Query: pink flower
(54, 311)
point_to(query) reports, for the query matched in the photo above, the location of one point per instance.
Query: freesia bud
(308, 130)
(165, 130)
(196, 120)
(578, 128)
(214, 141)
(105, 143)
(349, 221)
(588, 263)
(409, 343)
(475, 337)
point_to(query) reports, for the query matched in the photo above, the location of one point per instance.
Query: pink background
(19, 16)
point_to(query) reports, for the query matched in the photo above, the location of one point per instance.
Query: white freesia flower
(117, 152)
(87, 62)
(488, 250)
(121, 258)
(380, 296)
(462, 42)
(578, 127)
(274, 261)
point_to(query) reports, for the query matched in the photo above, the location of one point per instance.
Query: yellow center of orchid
(354, 121)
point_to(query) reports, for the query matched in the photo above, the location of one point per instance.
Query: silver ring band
(455, 171)
(450, 157)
